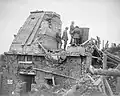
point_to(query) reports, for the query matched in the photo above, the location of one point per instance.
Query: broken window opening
(29, 58)
(33, 18)
(50, 81)
(21, 58)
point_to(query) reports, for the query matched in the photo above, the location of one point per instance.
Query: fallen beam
(61, 75)
(112, 60)
(117, 59)
(105, 72)
(109, 72)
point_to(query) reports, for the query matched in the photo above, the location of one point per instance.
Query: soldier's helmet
(66, 28)
(76, 26)
(72, 22)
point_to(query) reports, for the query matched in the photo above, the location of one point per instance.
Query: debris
(34, 55)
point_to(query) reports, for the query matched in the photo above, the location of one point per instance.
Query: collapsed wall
(16, 72)
(25, 54)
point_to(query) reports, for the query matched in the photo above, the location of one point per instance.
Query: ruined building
(28, 57)
(35, 59)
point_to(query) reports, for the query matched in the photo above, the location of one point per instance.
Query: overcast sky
(101, 16)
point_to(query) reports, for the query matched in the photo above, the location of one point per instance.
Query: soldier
(98, 42)
(71, 31)
(76, 35)
(107, 45)
(58, 39)
(65, 37)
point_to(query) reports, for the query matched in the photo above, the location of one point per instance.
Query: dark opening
(28, 79)
(49, 82)
(96, 62)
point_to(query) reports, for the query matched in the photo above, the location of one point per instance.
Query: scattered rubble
(37, 66)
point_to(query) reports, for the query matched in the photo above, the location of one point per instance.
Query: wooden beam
(107, 88)
(50, 72)
(109, 72)
(88, 61)
(112, 56)
(112, 60)
(104, 61)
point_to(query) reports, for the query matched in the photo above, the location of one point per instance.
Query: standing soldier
(107, 45)
(98, 42)
(58, 38)
(65, 37)
(76, 35)
(71, 31)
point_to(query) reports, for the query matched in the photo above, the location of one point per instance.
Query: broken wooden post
(118, 85)
(103, 45)
(109, 72)
(118, 81)
(106, 86)
(104, 61)
(61, 75)
(88, 61)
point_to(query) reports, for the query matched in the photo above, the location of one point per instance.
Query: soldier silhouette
(65, 37)
(71, 32)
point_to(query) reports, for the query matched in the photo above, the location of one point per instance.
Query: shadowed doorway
(28, 79)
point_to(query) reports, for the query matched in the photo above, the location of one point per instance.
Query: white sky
(101, 16)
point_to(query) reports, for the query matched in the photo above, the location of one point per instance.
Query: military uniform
(71, 33)
(65, 38)
(76, 35)
(58, 39)
(71, 29)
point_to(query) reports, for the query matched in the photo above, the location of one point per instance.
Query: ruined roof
(27, 34)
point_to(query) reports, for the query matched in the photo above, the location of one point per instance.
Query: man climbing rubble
(65, 37)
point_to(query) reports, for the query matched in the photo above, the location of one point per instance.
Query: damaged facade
(36, 61)
(26, 60)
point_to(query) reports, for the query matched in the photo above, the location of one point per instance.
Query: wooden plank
(109, 72)
(112, 56)
(35, 29)
(118, 85)
(107, 88)
(27, 29)
(61, 75)
(88, 61)
(104, 61)
(19, 32)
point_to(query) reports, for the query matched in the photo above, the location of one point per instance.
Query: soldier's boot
(65, 46)
(59, 46)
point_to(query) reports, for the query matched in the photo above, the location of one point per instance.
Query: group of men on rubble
(74, 33)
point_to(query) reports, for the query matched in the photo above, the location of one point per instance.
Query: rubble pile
(36, 65)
